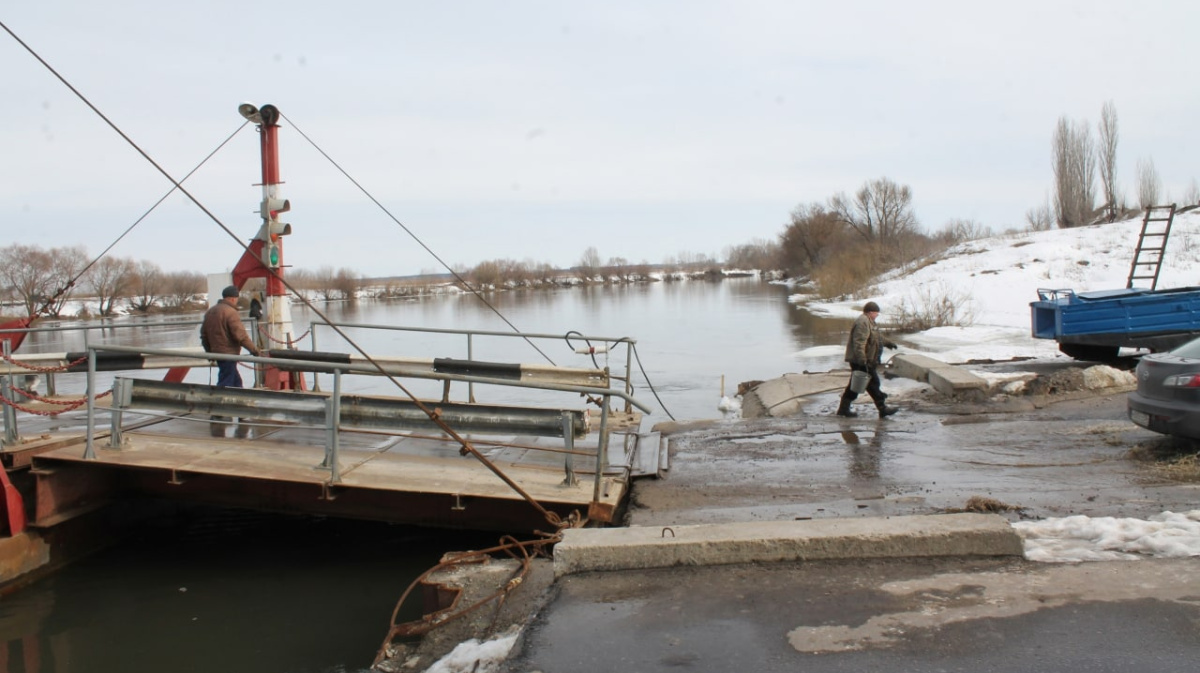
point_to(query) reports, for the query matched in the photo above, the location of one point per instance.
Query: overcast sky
(532, 130)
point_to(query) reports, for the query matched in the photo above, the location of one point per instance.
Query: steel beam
(356, 411)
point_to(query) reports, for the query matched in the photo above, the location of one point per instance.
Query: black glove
(891, 345)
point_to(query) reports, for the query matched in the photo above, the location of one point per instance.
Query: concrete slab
(584, 550)
(945, 378)
(786, 395)
(913, 366)
(949, 380)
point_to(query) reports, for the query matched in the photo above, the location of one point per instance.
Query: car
(1167, 398)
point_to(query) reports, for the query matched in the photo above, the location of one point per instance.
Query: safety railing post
(569, 444)
(470, 356)
(90, 452)
(11, 435)
(333, 414)
(628, 375)
(312, 334)
(601, 450)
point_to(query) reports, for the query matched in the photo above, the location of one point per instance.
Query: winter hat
(870, 307)
(228, 292)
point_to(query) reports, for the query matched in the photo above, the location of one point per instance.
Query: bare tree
(1040, 218)
(181, 287)
(1149, 186)
(1074, 174)
(1191, 196)
(1108, 158)
(758, 254)
(813, 235)
(147, 286)
(109, 280)
(28, 271)
(881, 211)
(346, 283)
(323, 283)
(589, 264)
(66, 264)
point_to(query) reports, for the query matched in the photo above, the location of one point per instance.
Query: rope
(457, 276)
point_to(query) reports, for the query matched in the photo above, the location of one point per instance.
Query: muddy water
(233, 592)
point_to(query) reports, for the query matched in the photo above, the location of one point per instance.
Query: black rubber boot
(885, 410)
(844, 407)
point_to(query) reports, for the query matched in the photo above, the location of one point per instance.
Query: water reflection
(865, 458)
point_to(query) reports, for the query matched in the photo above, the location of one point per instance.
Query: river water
(227, 591)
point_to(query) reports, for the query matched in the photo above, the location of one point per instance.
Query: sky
(534, 130)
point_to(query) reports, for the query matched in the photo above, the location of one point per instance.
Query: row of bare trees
(42, 281)
(842, 243)
(1075, 161)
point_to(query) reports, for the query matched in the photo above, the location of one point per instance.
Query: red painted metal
(250, 265)
(14, 506)
(15, 337)
(176, 374)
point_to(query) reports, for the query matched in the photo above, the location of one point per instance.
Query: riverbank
(1059, 451)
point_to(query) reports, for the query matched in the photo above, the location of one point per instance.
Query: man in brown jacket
(864, 349)
(223, 332)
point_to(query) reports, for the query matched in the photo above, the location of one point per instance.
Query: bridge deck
(401, 478)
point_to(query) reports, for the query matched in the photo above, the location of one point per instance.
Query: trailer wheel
(1090, 352)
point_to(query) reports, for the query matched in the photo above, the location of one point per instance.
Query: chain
(34, 368)
(68, 406)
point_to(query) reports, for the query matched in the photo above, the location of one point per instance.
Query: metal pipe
(10, 413)
(601, 450)
(368, 369)
(89, 453)
(335, 415)
(354, 411)
(569, 460)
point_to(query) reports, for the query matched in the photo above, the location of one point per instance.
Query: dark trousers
(228, 375)
(873, 389)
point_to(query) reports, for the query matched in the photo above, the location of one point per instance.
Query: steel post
(90, 452)
(569, 445)
(601, 450)
(334, 420)
(10, 412)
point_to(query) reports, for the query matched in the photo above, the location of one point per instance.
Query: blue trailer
(1096, 325)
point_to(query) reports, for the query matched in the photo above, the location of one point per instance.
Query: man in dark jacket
(223, 332)
(864, 350)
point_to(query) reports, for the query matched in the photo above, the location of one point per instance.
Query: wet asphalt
(1073, 454)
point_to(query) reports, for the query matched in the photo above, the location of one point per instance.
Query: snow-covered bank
(992, 281)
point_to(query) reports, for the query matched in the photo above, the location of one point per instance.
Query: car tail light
(1182, 381)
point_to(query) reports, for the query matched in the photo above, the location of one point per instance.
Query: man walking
(223, 332)
(864, 350)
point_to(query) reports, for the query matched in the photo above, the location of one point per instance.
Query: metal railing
(332, 404)
(471, 334)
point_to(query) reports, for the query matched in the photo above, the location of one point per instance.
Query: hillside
(992, 281)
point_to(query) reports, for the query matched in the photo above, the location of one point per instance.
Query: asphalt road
(1057, 455)
(929, 615)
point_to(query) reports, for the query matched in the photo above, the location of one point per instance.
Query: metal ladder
(1151, 245)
